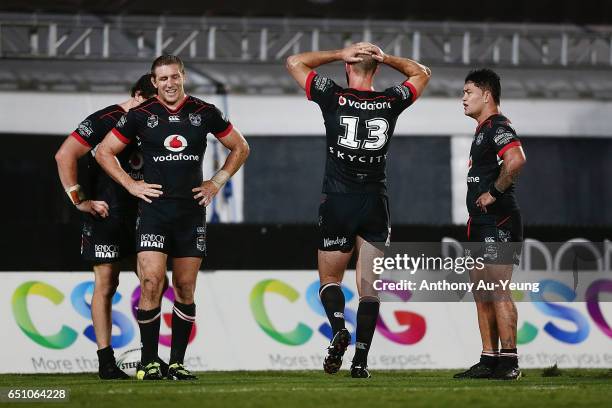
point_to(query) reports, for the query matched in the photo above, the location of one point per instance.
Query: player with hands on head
(354, 213)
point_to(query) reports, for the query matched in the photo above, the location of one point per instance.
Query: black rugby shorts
(344, 216)
(174, 227)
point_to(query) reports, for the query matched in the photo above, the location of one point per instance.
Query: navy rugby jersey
(172, 142)
(358, 126)
(90, 133)
(492, 139)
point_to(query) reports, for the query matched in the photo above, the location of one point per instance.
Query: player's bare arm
(66, 158)
(514, 160)
(300, 65)
(239, 151)
(417, 74)
(106, 156)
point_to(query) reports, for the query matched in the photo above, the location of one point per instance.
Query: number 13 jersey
(359, 125)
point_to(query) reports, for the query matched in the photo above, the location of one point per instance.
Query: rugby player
(109, 218)
(495, 227)
(354, 214)
(170, 131)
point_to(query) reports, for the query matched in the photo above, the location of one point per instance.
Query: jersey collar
(489, 119)
(178, 108)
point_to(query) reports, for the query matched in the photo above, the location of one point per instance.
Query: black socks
(332, 299)
(106, 356)
(367, 315)
(149, 322)
(489, 358)
(183, 317)
(508, 357)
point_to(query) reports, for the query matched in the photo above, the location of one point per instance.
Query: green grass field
(574, 388)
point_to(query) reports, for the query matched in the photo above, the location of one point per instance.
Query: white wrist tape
(220, 178)
(75, 194)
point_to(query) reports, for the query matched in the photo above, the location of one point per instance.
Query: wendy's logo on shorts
(339, 241)
(175, 143)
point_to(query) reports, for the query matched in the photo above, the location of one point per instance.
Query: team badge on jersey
(479, 139)
(152, 121)
(504, 236)
(503, 136)
(85, 128)
(195, 119)
(121, 121)
(175, 143)
(322, 83)
(403, 91)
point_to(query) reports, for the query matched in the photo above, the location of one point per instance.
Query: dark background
(565, 192)
(541, 11)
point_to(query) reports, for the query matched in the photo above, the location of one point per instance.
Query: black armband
(494, 191)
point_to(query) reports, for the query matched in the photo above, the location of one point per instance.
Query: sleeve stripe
(120, 136)
(415, 94)
(225, 132)
(516, 143)
(309, 79)
(80, 139)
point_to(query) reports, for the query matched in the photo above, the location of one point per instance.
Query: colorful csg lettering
(415, 323)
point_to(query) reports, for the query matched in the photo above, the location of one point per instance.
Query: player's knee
(151, 285)
(184, 291)
(106, 287)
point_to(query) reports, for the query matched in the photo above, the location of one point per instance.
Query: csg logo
(415, 323)
(79, 296)
(528, 332)
(66, 335)
(175, 143)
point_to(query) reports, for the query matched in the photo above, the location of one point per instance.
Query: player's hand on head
(144, 191)
(206, 192)
(95, 208)
(352, 53)
(376, 52)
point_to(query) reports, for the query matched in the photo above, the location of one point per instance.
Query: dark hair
(144, 86)
(167, 59)
(487, 80)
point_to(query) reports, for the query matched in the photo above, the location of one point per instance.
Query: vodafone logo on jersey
(363, 105)
(175, 143)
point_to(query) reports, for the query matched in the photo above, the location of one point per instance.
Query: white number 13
(377, 133)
